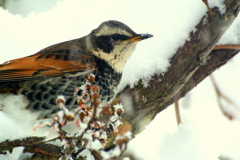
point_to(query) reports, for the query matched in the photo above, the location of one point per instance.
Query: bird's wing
(46, 63)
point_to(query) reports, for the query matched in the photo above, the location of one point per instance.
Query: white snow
(232, 35)
(204, 134)
(17, 124)
(96, 145)
(219, 4)
(14, 155)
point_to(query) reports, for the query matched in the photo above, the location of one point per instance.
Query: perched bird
(60, 68)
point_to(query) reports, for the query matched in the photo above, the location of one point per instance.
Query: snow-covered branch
(193, 62)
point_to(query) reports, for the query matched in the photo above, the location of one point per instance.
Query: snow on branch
(193, 62)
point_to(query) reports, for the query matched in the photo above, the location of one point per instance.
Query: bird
(60, 68)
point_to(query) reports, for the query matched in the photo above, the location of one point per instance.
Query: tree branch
(193, 62)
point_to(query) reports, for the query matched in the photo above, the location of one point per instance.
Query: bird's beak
(140, 37)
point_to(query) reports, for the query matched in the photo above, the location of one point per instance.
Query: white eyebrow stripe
(106, 30)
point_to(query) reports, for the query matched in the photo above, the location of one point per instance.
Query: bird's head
(114, 42)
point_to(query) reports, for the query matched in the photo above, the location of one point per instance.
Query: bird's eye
(119, 37)
(115, 36)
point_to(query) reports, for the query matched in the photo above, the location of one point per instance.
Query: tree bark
(193, 62)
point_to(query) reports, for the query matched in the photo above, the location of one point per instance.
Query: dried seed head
(70, 117)
(82, 115)
(60, 99)
(95, 88)
(80, 102)
(88, 86)
(88, 109)
(95, 96)
(107, 110)
(91, 78)
(120, 112)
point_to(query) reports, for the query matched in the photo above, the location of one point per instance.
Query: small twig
(227, 46)
(207, 5)
(177, 113)
(44, 149)
(219, 96)
(32, 145)
(9, 145)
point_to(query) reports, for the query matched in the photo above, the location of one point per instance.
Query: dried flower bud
(107, 110)
(70, 117)
(88, 86)
(82, 115)
(95, 88)
(88, 109)
(120, 112)
(60, 99)
(80, 102)
(91, 78)
(95, 96)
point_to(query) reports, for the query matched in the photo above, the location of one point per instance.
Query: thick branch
(32, 145)
(189, 66)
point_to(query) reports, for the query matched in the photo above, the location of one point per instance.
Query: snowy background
(26, 26)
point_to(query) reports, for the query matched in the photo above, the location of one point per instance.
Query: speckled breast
(42, 94)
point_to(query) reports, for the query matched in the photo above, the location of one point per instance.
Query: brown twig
(220, 96)
(227, 46)
(177, 112)
(207, 5)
